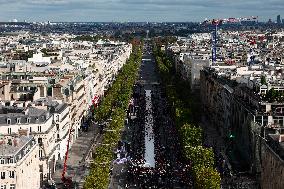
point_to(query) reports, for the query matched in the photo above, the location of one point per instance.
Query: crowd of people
(170, 170)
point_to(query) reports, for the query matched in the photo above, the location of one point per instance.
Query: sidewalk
(212, 137)
(77, 168)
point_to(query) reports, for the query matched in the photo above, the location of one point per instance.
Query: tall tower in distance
(278, 19)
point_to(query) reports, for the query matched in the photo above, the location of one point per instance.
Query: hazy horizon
(136, 10)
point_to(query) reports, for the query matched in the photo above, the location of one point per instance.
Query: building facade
(19, 163)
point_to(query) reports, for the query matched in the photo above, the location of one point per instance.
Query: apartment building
(273, 162)
(249, 120)
(189, 67)
(51, 94)
(47, 121)
(19, 163)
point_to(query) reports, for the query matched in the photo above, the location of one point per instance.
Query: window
(29, 120)
(2, 161)
(11, 160)
(39, 128)
(40, 153)
(18, 120)
(41, 91)
(3, 187)
(57, 118)
(12, 186)
(2, 175)
(9, 130)
(31, 129)
(39, 141)
(41, 168)
(8, 121)
(11, 174)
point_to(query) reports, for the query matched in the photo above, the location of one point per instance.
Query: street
(154, 157)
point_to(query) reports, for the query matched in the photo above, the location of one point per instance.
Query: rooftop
(16, 145)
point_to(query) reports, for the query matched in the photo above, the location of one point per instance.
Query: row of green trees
(185, 113)
(113, 106)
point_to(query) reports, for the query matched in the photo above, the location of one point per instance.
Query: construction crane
(216, 23)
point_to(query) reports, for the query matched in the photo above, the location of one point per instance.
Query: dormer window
(18, 120)
(8, 121)
(10, 160)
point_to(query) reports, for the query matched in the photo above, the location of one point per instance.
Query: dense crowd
(170, 170)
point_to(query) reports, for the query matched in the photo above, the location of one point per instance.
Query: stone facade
(189, 69)
(225, 102)
(272, 169)
(19, 169)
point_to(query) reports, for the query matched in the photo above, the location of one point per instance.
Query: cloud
(47, 2)
(136, 10)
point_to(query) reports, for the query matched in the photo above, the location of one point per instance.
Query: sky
(137, 10)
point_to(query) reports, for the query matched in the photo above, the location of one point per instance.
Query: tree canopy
(120, 91)
(185, 110)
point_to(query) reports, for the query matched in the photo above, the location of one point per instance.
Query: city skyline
(141, 94)
(135, 10)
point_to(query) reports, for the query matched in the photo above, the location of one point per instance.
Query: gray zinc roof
(11, 150)
(34, 115)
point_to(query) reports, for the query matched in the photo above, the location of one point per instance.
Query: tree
(120, 90)
(200, 156)
(183, 105)
(191, 136)
(271, 95)
(207, 178)
(263, 80)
